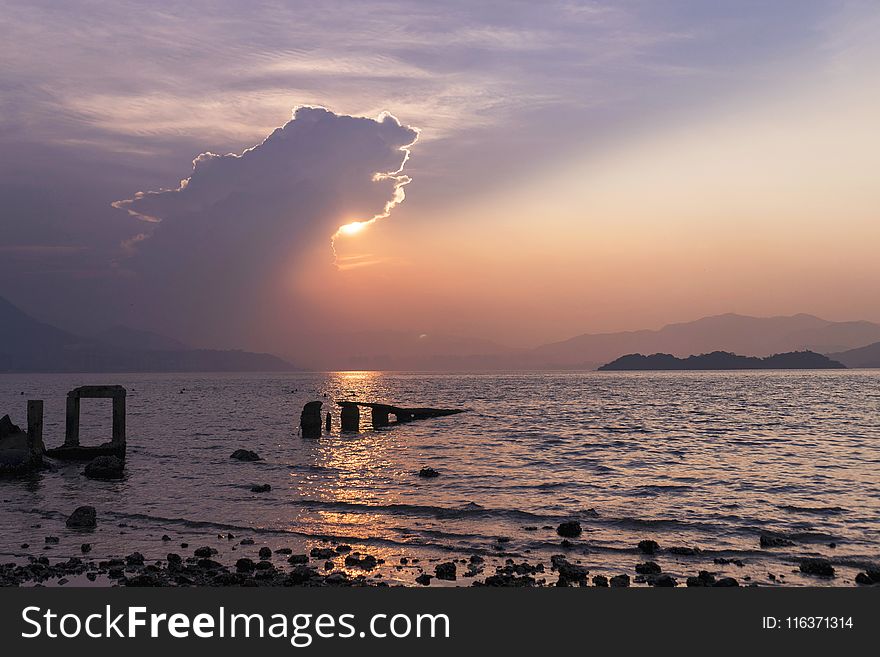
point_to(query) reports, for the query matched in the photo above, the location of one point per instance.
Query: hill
(723, 360)
(761, 336)
(28, 345)
(868, 356)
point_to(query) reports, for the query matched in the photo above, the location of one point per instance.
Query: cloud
(219, 247)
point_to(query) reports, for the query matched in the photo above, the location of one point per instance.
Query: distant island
(724, 360)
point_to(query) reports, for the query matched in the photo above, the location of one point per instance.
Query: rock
(445, 571)
(342, 549)
(773, 541)
(530, 528)
(174, 558)
(135, 559)
(873, 572)
(51, 540)
(166, 537)
(600, 580)
(648, 568)
(298, 558)
(703, 578)
(620, 581)
(663, 581)
(863, 579)
(818, 567)
(105, 467)
(569, 529)
(684, 551)
(85, 547)
(648, 546)
(261, 488)
(424, 579)
(246, 541)
(323, 553)
(569, 573)
(283, 551)
(7, 428)
(356, 560)
(265, 553)
(726, 582)
(84, 517)
(205, 552)
(428, 473)
(245, 455)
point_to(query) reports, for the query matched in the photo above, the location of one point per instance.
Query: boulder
(774, 541)
(663, 581)
(245, 455)
(648, 568)
(726, 582)
(265, 553)
(424, 579)
(600, 580)
(620, 581)
(428, 473)
(84, 517)
(569, 529)
(105, 467)
(648, 546)
(819, 567)
(261, 488)
(323, 553)
(445, 571)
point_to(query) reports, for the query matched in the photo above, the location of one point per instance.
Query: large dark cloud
(213, 254)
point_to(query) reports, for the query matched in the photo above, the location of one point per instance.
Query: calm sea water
(708, 460)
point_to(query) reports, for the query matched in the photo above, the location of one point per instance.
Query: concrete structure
(380, 414)
(310, 420)
(71, 448)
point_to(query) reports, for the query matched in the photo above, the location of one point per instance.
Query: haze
(517, 172)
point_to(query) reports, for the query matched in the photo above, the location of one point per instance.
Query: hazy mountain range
(27, 344)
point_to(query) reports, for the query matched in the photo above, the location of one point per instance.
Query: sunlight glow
(353, 228)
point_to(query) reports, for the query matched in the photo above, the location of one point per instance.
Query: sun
(353, 228)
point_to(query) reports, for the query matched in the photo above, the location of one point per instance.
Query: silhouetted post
(35, 428)
(328, 422)
(118, 438)
(380, 415)
(351, 417)
(310, 420)
(71, 427)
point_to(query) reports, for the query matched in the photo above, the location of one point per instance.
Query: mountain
(868, 356)
(129, 338)
(723, 360)
(28, 345)
(760, 336)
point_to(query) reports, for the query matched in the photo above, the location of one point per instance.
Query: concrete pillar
(118, 420)
(328, 422)
(351, 417)
(379, 416)
(310, 420)
(71, 429)
(35, 428)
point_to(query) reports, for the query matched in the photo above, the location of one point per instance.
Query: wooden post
(71, 429)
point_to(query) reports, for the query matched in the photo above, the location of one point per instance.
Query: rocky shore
(234, 561)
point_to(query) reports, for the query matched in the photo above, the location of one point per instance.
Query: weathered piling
(350, 417)
(310, 420)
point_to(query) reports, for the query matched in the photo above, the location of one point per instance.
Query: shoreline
(229, 560)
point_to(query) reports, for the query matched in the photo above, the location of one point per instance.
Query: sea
(703, 462)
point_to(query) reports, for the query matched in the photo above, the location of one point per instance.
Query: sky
(517, 172)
